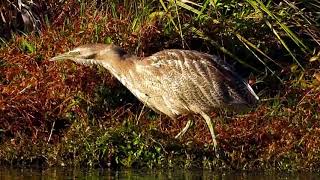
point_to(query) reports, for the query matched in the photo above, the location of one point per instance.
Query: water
(60, 173)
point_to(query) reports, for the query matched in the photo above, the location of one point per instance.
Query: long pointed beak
(68, 55)
(60, 57)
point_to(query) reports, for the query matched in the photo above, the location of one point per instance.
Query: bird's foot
(185, 129)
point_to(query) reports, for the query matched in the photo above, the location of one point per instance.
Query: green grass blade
(204, 7)
(221, 48)
(168, 15)
(245, 41)
(179, 23)
(163, 5)
(292, 35)
(283, 43)
(187, 7)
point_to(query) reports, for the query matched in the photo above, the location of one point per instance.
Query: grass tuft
(64, 114)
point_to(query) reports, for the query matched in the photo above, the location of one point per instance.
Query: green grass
(63, 114)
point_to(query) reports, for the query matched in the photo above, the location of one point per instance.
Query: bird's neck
(119, 66)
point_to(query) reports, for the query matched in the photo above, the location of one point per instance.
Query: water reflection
(64, 173)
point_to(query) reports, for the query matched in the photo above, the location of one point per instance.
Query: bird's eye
(91, 56)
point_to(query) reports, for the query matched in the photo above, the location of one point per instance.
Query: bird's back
(179, 82)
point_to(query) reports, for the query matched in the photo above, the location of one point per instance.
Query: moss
(63, 114)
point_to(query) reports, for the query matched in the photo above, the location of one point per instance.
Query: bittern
(174, 82)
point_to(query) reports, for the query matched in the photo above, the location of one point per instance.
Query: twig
(54, 122)
(140, 114)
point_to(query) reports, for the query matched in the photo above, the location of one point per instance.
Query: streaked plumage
(174, 82)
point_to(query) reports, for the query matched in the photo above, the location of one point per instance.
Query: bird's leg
(211, 125)
(185, 129)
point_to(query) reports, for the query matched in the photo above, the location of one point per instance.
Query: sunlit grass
(63, 114)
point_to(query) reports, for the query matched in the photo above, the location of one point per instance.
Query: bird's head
(92, 54)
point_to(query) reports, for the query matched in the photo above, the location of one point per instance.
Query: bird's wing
(194, 80)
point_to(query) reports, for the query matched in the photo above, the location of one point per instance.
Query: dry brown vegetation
(67, 114)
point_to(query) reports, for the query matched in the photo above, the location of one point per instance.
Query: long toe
(185, 129)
